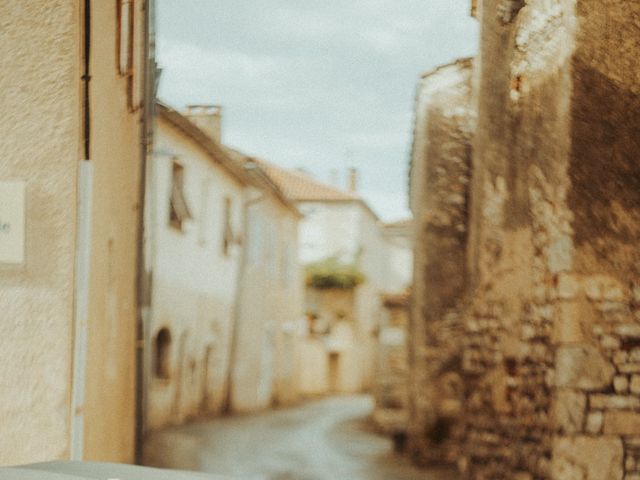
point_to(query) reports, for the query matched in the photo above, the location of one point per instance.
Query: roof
(299, 186)
(405, 223)
(215, 151)
(261, 177)
(396, 299)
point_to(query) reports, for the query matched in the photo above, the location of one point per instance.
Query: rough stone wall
(519, 238)
(392, 367)
(440, 178)
(552, 332)
(597, 355)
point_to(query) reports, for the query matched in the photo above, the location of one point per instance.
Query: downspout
(143, 242)
(82, 253)
(235, 325)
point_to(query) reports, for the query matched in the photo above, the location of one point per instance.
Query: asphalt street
(328, 439)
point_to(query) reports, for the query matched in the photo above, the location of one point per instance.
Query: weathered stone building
(551, 333)
(391, 386)
(440, 176)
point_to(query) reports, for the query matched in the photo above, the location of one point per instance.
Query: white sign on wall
(12, 222)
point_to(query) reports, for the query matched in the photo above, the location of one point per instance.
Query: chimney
(353, 179)
(207, 118)
(474, 8)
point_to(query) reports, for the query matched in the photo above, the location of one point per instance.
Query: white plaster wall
(399, 258)
(270, 308)
(349, 230)
(194, 283)
(329, 229)
(368, 295)
(39, 132)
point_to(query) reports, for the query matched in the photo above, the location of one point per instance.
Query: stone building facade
(440, 177)
(549, 355)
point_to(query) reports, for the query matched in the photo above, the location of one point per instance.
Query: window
(178, 208)
(227, 230)
(205, 213)
(161, 354)
(255, 237)
(129, 48)
(124, 37)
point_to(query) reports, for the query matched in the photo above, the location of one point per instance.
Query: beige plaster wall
(116, 154)
(39, 127)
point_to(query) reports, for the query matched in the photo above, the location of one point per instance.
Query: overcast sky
(319, 85)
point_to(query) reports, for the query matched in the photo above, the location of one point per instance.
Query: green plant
(333, 273)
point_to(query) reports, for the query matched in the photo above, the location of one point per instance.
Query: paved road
(326, 439)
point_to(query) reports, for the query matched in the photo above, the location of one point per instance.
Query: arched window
(161, 354)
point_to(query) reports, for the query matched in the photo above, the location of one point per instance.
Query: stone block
(635, 384)
(568, 326)
(629, 464)
(629, 330)
(568, 286)
(587, 458)
(629, 368)
(582, 367)
(604, 287)
(621, 384)
(614, 402)
(621, 423)
(609, 342)
(594, 422)
(569, 410)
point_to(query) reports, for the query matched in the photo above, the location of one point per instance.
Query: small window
(179, 211)
(161, 354)
(205, 213)
(129, 49)
(124, 37)
(227, 230)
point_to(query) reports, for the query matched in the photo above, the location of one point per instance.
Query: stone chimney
(207, 118)
(353, 179)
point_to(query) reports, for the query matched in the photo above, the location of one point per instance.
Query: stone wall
(440, 168)
(392, 367)
(551, 350)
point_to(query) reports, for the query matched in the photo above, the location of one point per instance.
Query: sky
(317, 85)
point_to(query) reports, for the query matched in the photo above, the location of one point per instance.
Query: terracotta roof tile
(299, 186)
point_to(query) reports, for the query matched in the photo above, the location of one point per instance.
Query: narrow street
(327, 439)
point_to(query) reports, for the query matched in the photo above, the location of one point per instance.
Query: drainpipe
(242, 263)
(143, 243)
(82, 253)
